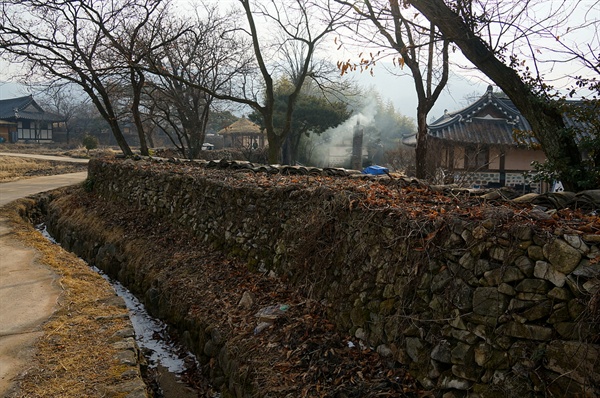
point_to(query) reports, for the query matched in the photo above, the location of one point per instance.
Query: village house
(486, 145)
(22, 119)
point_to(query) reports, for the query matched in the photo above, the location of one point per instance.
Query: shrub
(89, 142)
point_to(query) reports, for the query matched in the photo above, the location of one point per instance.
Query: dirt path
(10, 191)
(28, 292)
(28, 296)
(45, 157)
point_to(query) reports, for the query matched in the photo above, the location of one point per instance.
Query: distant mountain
(401, 91)
(11, 90)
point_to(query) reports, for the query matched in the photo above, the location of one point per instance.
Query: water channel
(167, 360)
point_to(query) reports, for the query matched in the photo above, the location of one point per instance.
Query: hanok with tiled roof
(22, 119)
(243, 134)
(478, 144)
(492, 120)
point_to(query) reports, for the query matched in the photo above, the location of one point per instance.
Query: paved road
(45, 157)
(28, 288)
(10, 191)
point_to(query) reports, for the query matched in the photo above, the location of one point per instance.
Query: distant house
(22, 119)
(243, 134)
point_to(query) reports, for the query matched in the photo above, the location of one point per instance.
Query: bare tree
(57, 42)
(422, 50)
(63, 100)
(208, 55)
(95, 45)
(296, 29)
(297, 23)
(135, 31)
(299, 27)
(465, 22)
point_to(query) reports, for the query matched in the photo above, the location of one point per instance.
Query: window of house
(476, 158)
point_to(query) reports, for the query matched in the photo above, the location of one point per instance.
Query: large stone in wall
(563, 257)
(442, 352)
(546, 271)
(503, 275)
(588, 269)
(576, 361)
(450, 381)
(525, 331)
(540, 310)
(460, 294)
(489, 358)
(418, 350)
(487, 301)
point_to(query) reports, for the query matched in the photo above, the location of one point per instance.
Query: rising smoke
(333, 148)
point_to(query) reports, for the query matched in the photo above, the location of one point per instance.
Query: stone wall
(493, 304)
(481, 179)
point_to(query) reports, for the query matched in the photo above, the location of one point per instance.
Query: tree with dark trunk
(301, 26)
(313, 114)
(55, 42)
(295, 27)
(95, 45)
(422, 50)
(209, 54)
(457, 24)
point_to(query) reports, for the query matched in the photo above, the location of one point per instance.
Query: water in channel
(167, 361)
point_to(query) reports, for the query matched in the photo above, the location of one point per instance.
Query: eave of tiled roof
(468, 126)
(8, 106)
(14, 109)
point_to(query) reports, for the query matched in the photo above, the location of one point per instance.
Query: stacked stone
(519, 316)
(486, 307)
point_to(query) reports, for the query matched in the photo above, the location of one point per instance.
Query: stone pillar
(357, 143)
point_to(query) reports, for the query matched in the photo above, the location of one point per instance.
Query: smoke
(333, 148)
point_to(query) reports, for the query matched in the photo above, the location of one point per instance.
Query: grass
(58, 149)
(74, 357)
(13, 168)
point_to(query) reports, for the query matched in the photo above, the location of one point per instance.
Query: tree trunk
(141, 134)
(545, 119)
(421, 150)
(137, 82)
(275, 144)
(116, 130)
(295, 138)
(286, 151)
(104, 106)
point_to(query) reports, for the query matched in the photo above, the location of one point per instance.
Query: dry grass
(74, 357)
(74, 151)
(13, 168)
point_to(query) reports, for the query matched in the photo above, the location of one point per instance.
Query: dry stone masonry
(490, 305)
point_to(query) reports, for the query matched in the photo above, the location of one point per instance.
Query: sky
(400, 90)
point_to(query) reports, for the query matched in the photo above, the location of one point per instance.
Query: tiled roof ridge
(467, 113)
